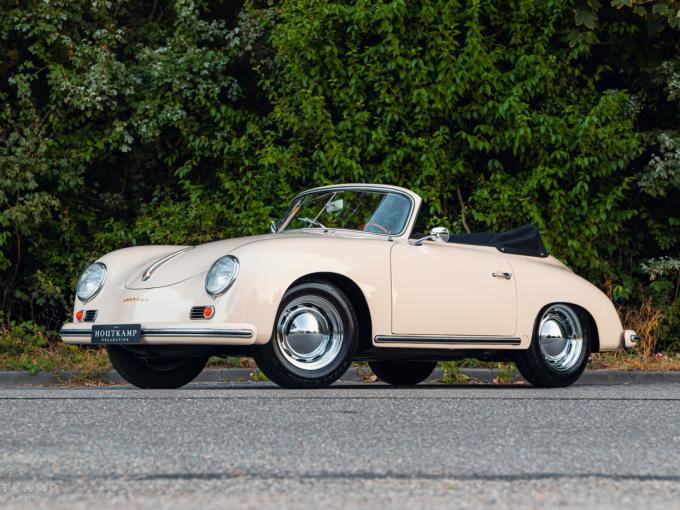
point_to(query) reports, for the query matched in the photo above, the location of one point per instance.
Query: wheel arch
(592, 325)
(356, 297)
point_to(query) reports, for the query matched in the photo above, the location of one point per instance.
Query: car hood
(183, 262)
(180, 263)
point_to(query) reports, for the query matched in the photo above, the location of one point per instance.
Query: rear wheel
(314, 339)
(402, 373)
(559, 349)
(155, 372)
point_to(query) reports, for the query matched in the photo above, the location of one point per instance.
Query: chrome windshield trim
(451, 340)
(348, 187)
(148, 272)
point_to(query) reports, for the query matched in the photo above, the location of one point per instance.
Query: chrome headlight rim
(100, 285)
(218, 292)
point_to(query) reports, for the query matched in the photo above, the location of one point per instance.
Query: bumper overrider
(170, 334)
(630, 339)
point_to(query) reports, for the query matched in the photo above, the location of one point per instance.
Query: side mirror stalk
(438, 234)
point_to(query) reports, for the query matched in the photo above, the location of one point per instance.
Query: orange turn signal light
(208, 312)
(79, 315)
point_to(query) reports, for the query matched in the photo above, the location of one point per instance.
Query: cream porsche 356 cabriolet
(344, 276)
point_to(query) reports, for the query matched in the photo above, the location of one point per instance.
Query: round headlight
(91, 282)
(221, 275)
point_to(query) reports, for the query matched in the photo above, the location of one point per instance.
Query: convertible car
(344, 276)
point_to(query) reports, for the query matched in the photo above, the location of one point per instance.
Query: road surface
(252, 445)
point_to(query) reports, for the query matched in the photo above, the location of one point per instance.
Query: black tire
(276, 364)
(533, 363)
(154, 373)
(402, 373)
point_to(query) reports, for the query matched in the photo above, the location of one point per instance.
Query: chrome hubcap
(309, 332)
(560, 337)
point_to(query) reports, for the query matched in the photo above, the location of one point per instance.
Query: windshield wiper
(310, 221)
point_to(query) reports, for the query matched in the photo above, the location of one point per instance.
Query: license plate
(116, 334)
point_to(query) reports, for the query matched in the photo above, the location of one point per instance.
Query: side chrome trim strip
(174, 332)
(481, 341)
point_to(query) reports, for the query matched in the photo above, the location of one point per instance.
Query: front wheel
(314, 339)
(402, 373)
(155, 372)
(559, 350)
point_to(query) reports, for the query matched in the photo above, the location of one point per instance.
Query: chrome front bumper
(172, 334)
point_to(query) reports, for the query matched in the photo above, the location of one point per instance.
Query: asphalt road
(352, 446)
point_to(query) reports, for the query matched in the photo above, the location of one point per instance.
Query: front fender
(119, 264)
(268, 269)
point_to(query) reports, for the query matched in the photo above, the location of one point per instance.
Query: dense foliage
(127, 122)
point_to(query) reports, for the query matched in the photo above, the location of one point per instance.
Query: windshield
(377, 212)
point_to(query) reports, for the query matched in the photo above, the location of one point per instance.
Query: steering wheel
(378, 226)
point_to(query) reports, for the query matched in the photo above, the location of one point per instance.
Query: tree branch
(462, 210)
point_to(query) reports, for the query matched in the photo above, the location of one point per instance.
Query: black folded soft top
(524, 240)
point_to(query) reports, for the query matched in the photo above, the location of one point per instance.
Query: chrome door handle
(507, 276)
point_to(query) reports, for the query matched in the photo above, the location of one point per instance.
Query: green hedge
(132, 122)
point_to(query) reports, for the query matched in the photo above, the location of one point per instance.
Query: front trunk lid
(182, 263)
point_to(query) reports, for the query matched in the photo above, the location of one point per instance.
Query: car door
(449, 289)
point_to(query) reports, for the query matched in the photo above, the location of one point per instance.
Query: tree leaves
(182, 122)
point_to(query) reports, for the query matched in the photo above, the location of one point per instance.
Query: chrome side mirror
(438, 234)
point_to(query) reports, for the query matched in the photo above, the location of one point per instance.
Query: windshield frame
(287, 217)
